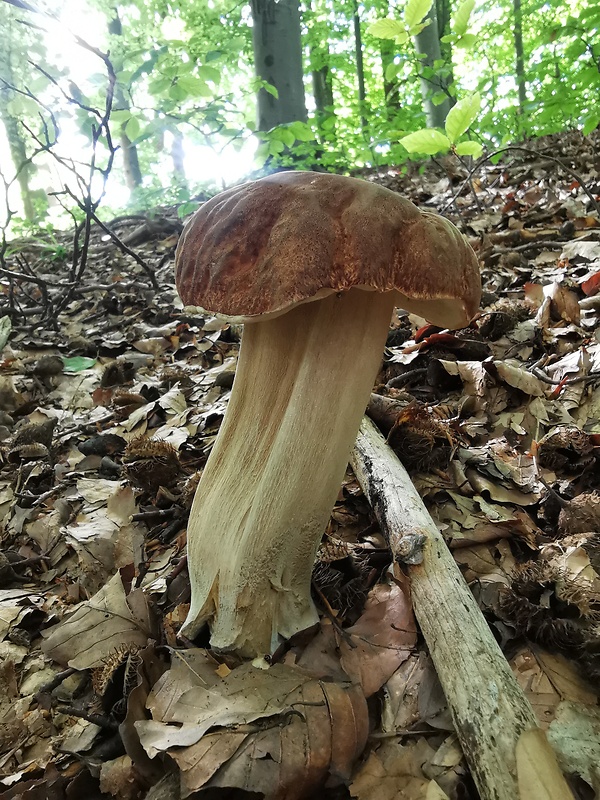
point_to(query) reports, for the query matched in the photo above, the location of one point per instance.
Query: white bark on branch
(508, 754)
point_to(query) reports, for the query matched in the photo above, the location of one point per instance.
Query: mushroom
(313, 265)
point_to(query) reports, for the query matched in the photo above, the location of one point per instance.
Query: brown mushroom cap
(263, 247)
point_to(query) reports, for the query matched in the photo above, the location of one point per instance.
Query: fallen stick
(509, 756)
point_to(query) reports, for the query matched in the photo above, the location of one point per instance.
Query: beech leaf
(461, 116)
(428, 140)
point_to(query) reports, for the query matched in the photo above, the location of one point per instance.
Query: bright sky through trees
(204, 166)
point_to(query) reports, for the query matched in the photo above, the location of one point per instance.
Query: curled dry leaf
(280, 731)
(372, 649)
(109, 619)
(519, 378)
(396, 772)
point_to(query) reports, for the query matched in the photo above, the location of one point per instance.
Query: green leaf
(386, 28)
(416, 11)
(132, 129)
(262, 153)
(461, 116)
(148, 65)
(78, 363)
(302, 131)
(276, 147)
(120, 115)
(402, 38)
(415, 30)
(171, 70)
(186, 208)
(427, 140)
(438, 98)
(466, 41)
(210, 74)
(270, 89)
(286, 136)
(391, 71)
(468, 149)
(177, 93)
(460, 21)
(590, 124)
(159, 85)
(194, 87)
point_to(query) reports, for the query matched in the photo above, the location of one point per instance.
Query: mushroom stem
(302, 384)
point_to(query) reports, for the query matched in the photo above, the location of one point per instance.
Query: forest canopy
(150, 102)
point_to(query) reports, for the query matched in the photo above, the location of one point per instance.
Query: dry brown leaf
(282, 732)
(109, 619)
(517, 377)
(395, 772)
(372, 649)
(472, 373)
(189, 668)
(547, 679)
(565, 678)
(400, 707)
(564, 303)
(538, 774)
(199, 762)
(381, 639)
(119, 778)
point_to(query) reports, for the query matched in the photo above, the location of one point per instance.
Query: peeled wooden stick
(508, 754)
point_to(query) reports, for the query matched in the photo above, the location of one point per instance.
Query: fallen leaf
(110, 619)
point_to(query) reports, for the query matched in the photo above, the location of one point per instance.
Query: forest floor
(107, 417)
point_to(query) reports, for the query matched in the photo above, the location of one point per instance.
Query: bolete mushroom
(313, 265)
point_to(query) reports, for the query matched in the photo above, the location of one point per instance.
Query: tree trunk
(16, 141)
(322, 88)
(131, 164)
(519, 58)
(387, 52)
(427, 43)
(177, 156)
(278, 60)
(18, 153)
(443, 14)
(360, 69)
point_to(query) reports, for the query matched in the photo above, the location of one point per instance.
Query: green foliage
(460, 118)
(401, 31)
(184, 69)
(77, 363)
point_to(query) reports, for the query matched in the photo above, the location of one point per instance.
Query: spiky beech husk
(547, 606)
(302, 384)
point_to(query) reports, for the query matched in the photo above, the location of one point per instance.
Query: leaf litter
(105, 427)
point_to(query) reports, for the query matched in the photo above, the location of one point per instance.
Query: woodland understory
(110, 399)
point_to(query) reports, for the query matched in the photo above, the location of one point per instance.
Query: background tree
(434, 79)
(131, 164)
(186, 79)
(11, 77)
(277, 44)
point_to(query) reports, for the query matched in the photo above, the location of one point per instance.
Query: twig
(495, 723)
(593, 376)
(96, 719)
(527, 150)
